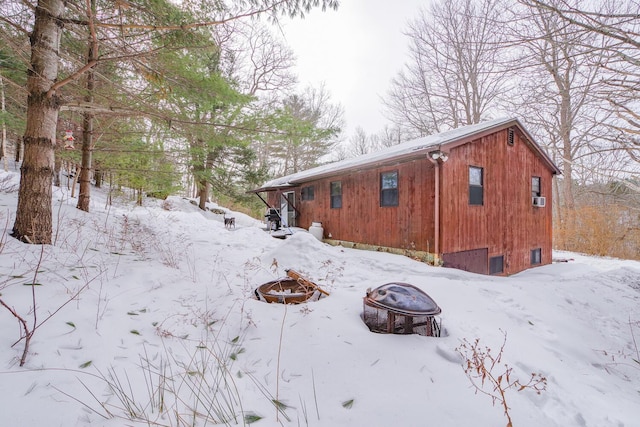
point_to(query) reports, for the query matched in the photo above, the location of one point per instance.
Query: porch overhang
(279, 187)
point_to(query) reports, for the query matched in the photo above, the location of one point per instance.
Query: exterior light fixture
(439, 155)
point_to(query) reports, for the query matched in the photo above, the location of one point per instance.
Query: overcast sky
(355, 51)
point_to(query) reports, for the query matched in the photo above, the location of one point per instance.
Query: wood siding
(361, 219)
(507, 223)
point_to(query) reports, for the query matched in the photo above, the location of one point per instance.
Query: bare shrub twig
(490, 377)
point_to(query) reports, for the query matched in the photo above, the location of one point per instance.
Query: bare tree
(262, 66)
(265, 63)
(618, 22)
(362, 143)
(558, 90)
(455, 73)
(585, 100)
(359, 143)
(388, 136)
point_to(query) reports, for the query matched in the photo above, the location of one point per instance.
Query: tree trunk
(57, 165)
(76, 174)
(34, 214)
(3, 148)
(110, 193)
(84, 178)
(84, 196)
(205, 185)
(203, 193)
(18, 152)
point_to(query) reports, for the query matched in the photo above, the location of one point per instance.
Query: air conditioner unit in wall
(539, 201)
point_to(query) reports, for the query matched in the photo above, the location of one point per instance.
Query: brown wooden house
(476, 198)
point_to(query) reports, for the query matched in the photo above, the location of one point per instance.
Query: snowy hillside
(148, 316)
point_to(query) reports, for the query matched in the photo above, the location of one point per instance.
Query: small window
(389, 188)
(496, 264)
(336, 194)
(535, 186)
(307, 193)
(476, 196)
(510, 137)
(536, 256)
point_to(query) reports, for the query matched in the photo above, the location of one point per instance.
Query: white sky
(355, 51)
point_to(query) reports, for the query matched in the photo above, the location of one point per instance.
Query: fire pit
(284, 291)
(293, 289)
(401, 308)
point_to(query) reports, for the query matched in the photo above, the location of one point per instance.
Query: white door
(287, 211)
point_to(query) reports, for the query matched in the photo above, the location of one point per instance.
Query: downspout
(437, 157)
(436, 213)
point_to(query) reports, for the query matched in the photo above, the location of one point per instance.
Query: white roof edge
(405, 149)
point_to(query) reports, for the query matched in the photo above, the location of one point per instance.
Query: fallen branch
(305, 282)
(27, 332)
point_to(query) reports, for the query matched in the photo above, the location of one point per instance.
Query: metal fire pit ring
(284, 291)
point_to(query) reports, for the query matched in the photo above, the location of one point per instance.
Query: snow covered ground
(148, 315)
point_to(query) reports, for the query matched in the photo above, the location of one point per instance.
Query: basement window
(307, 193)
(389, 188)
(476, 192)
(536, 256)
(336, 194)
(496, 264)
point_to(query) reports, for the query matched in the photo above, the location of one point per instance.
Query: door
(475, 260)
(287, 209)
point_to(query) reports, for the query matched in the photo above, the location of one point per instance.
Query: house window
(307, 193)
(336, 194)
(536, 256)
(389, 188)
(496, 264)
(476, 196)
(535, 186)
(510, 137)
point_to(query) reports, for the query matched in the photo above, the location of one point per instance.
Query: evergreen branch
(72, 77)
(14, 25)
(84, 106)
(182, 27)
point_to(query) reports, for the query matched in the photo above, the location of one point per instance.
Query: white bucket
(316, 230)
